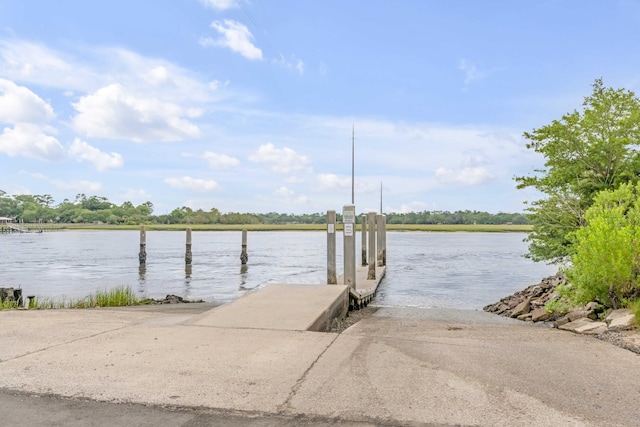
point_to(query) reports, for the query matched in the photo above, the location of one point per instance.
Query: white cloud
(30, 141)
(81, 186)
(216, 160)
(95, 67)
(471, 72)
(414, 206)
(19, 104)
(466, 176)
(81, 151)
(220, 4)
(236, 36)
(290, 196)
(112, 112)
(135, 195)
(158, 75)
(294, 62)
(329, 181)
(189, 183)
(33, 63)
(282, 160)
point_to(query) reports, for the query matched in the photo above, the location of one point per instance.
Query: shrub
(605, 263)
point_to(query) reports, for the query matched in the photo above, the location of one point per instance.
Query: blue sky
(248, 105)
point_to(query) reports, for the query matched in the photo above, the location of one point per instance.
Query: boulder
(614, 314)
(623, 322)
(522, 308)
(593, 328)
(540, 315)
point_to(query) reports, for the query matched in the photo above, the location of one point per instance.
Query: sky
(253, 105)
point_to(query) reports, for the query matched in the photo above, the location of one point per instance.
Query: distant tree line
(95, 209)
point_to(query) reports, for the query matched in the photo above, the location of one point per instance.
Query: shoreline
(528, 305)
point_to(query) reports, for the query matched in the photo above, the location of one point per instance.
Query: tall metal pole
(353, 152)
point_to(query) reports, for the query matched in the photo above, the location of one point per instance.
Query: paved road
(397, 367)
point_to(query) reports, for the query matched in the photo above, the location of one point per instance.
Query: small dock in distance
(308, 307)
(293, 307)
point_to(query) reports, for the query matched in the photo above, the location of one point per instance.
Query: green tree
(606, 263)
(585, 152)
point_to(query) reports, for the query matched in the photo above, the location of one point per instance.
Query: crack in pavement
(286, 405)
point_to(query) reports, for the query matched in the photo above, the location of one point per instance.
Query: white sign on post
(349, 214)
(348, 230)
(331, 228)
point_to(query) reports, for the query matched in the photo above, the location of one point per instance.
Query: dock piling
(364, 240)
(380, 231)
(142, 255)
(383, 242)
(331, 248)
(371, 274)
(349, 240)
(244, 257)
(188, 256)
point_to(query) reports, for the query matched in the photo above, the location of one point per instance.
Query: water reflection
(244, 268)
(187, 280)
(142, 272)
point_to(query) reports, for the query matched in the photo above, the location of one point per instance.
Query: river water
(424, 269)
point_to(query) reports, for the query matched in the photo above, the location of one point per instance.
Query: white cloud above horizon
(189, 183)
(220, 4)
(82, 151)
(235, 36)
(280, 160)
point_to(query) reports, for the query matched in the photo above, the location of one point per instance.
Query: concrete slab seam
(64, 343)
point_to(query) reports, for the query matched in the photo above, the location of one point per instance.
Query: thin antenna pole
(353, 152)
(380, 196)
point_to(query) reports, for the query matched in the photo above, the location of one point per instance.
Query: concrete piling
(188, 256)
(371, 274)
(331, 248)
(364, 240)
(244, 257)
(349, 240)
(142, 255)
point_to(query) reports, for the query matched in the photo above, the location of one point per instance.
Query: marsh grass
(8, 305)
(120, 296)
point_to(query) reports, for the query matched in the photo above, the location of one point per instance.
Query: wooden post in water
(349, 241)
(331, 248)
(188, 256)
(244, 257)
(371, 274)
(364, 240)
(142, 256)
(380, 238)
(384, 239)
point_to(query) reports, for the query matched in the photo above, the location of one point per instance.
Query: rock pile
(11, 295)
(169, 299)
(529, 305)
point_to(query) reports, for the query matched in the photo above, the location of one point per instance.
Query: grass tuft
(120, 296)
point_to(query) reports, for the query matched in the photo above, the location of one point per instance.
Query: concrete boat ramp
(293, 307)
(179, 365)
